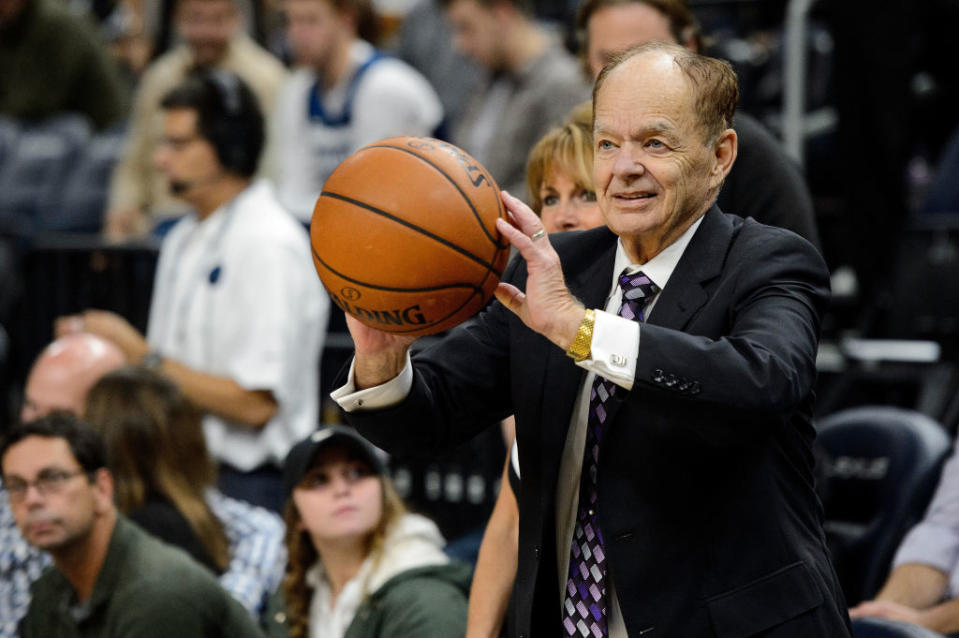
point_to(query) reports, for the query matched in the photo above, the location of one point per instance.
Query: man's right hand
(380, 356)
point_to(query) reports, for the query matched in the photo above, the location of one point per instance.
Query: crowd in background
(198, 134)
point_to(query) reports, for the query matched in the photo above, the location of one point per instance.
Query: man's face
(652, 169)
(614, 29)
(315, 29)
(188, 160)
(477, 32)
(207, 26)
(61, 511)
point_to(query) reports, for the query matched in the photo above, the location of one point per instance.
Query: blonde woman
(559, 175)
(360, 565)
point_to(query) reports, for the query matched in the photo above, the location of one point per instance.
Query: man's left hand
(108, 325)
(546, 306)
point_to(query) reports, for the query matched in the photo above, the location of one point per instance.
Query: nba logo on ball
(404, 235)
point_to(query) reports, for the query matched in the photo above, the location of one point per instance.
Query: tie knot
(637, 286)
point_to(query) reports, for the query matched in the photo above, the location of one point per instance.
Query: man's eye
(657, 144)
(605, 145)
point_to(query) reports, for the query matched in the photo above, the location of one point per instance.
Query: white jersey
(315, 129)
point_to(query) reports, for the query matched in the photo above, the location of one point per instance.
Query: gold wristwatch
(580, 348)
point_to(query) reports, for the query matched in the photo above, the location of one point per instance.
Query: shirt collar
(660, 268)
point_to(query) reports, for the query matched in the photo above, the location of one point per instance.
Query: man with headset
(238, 315)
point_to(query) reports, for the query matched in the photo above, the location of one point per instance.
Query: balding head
(65, 371)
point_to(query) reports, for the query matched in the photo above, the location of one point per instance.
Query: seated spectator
(238, 314)
(346, 95)
(63, 373)
(58, 380)
(923, 588)
(559, 176)
(531, 83)
(212, 38)
(53, 62)
(360, 565)
(165, 483)
(110, 578)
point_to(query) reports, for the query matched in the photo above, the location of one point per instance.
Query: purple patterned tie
(584, 610)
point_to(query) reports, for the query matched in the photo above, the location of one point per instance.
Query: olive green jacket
(145, 589)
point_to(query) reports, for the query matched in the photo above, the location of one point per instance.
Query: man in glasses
(109, 578)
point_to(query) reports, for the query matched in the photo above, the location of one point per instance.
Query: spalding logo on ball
(404, 235)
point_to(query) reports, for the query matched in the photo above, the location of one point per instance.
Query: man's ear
(103, 490)
(725, 150)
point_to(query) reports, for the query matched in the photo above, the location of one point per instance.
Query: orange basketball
(404, 235)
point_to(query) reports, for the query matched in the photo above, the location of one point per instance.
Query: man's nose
(627, 164)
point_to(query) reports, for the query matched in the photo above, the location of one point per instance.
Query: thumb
(511, 297)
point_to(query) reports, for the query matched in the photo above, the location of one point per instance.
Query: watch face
(152, 360)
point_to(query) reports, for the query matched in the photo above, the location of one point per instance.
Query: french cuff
(614, 349)
(379, 396)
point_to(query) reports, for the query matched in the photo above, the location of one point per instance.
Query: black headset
(232, 123)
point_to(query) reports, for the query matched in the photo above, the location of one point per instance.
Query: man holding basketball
(667, 476)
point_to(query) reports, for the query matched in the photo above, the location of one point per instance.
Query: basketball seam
(411, 226)
(469, 202)
(365, 284)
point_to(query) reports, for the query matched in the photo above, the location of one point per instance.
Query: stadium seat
(881, 467)
(42, 157)
(78, 206)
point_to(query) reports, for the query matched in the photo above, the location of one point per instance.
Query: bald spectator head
(65, 371)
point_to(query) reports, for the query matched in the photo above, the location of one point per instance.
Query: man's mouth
(635, 196)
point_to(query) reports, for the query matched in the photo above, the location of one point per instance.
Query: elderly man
(667, 474)
(110, 578)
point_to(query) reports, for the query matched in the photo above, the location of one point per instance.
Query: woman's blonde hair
(303, 555)
(567, 148)
(155, 445)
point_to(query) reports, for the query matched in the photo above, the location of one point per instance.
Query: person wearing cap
(360, 565)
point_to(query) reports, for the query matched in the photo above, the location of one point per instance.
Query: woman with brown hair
(360, 565)
(159, 459)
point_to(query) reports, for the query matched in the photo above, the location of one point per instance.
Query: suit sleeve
(460, 386)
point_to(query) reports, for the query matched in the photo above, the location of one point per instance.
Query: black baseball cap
(301, 456)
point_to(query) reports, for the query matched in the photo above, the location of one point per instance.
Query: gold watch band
(582, 343)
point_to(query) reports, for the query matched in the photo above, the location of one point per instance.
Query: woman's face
(340, 499)
(567, 205)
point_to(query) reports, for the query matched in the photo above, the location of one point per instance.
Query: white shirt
(391, 99)
(236, 296)
(613, 354)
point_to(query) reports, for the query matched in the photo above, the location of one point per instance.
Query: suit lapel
(702, 261)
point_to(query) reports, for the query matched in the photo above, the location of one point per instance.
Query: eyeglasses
(48, 482)
(178, 143)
